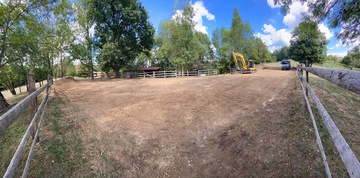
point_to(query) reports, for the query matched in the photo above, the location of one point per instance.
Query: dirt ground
(219, 126)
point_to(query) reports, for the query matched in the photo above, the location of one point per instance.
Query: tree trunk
(117, 73)
(12, 91)
(3, 102)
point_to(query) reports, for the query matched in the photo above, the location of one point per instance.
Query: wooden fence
(175, 73)
(34, 127)
(343, 78)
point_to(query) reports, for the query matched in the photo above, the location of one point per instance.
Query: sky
(266, 19)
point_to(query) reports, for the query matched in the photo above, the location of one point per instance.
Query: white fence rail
(347, 155)
(174, 73)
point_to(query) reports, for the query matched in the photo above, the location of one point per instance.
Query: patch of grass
(11, 138)
(60, 153)
(331, 64)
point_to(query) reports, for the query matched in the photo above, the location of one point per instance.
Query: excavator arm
(245, 68)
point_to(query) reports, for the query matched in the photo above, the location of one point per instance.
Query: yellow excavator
(246, 69)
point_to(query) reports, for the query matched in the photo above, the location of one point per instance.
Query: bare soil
(219, 126)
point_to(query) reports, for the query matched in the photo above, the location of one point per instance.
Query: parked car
(285, 64)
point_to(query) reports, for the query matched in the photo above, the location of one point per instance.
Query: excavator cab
(246, 68)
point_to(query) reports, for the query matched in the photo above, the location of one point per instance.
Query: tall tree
(18, 22)
(123, 24)
(64, 36)
(179, 45)
(240, 35)
(308, 44)
(339, 13)
(83, 48)
(221, 41)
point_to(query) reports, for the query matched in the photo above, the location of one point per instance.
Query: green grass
(60, 152)
(331, 64)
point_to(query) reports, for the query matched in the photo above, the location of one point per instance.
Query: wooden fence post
(164, 74)
(153, 74)
(33, 103)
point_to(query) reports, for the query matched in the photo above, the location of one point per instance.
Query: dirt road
(220, 126)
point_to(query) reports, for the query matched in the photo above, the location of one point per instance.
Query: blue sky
(266, 19)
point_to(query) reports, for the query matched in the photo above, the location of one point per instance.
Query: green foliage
(12, 76)
(352, 59)
(179, 45)
(111, 57)
(240, 37)
(282, 53)
(346, 60)
(84, 46)
(221, 40)
(121, 25)
(308, 44)
(345, 14)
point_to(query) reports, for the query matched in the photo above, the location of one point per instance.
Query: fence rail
(175, 73)
(336, 76)
(33, 129)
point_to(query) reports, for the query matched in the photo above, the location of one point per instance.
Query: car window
(285, 62)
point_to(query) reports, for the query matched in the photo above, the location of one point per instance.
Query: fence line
(348, 157)
(347, 79)
(318, 138)
(175, 73)
(12, 115)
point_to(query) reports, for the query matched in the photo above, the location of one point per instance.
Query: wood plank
(347, 79)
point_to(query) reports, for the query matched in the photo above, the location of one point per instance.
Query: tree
(12, 76)
(83, 49)
(179, 45)
(308, 44)
(331, 58)
(221, 41)
(339, 13)
(122, 25)
(354, 56)
(240, 35)
(19, 24)
(282, 53)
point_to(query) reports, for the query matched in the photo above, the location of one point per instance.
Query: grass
(331, 64)
(13, 135)
(60, 152)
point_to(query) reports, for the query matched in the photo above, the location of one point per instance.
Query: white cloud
(294, 17)
(271, 3)
(273, 38)
(324, 29)
(200, 11)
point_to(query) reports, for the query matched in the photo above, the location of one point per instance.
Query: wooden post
(187, 73)
(307, 78)
(33, 103)
(144, 73)
(153, 74)
(164, 74)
